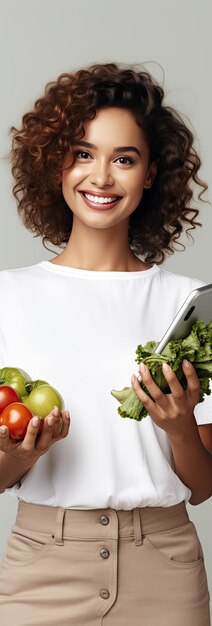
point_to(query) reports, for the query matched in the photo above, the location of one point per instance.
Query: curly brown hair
(48, 131)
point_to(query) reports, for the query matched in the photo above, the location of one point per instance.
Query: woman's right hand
(55, 427)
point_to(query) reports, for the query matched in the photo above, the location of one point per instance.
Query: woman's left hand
(173, 412)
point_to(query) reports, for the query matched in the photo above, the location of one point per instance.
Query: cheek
(136, 187)
(66, 191)
(68, 184)
(72, 178)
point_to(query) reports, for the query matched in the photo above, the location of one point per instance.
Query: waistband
(96, 524)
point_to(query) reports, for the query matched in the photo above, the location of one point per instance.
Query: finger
(173, 383)
(29, 440)
(193, 384)
(45, 437)
(65, 425)
(142, 396)
(57, 422)
(5, 441)
(155, 392)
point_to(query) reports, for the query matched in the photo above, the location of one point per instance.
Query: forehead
(114, 126)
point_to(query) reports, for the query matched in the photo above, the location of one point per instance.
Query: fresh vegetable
(29, 386)
(7, 395)
(196, 347)
(42, 400)
(16, 416)
(15, 378)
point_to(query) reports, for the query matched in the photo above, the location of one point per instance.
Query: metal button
(105, 594)
(104, 553)
(104, 520)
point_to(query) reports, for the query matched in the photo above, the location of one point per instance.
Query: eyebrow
(86, 144)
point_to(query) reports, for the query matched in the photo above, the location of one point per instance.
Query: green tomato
(42, 400)
(15, 378)
(33, 384)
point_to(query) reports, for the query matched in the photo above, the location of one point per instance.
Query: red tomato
(17, 417)
(7, 395)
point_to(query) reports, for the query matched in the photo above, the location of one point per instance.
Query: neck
(100, 250)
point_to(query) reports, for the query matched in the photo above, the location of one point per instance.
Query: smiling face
(115, 167)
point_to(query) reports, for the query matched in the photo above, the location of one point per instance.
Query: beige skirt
(103, 567)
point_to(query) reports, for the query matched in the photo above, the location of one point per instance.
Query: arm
(205, 432)
(193, 463)
(12, 470)
(17, 458)
(174, 413)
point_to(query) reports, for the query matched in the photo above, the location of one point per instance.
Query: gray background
(39, 39)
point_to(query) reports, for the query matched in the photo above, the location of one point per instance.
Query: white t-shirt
(79, 329)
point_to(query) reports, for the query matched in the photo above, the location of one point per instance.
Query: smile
(94, 201)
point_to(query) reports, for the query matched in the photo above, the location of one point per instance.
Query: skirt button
(105, 594)
(104, 520)
(104, 553)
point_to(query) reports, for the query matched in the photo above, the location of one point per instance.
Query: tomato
(37, 395)
(33, 384)
(7, 395)
(42, 400)
(15, 378)
(17, 417)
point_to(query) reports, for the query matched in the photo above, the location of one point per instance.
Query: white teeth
(99, 199)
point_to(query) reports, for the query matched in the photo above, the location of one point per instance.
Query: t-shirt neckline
(96, 274)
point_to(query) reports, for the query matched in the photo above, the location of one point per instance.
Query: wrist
(12, 469)
(185, 435)
(23, 462)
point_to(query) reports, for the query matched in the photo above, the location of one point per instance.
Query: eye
(77, 154)
(126, 159)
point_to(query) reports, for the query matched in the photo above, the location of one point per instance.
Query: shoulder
(178, 281)
(9, 277)
(172, 289)
(18, 284)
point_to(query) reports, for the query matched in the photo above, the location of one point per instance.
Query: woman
(107, 172)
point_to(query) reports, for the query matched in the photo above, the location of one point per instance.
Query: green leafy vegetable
(196, 347)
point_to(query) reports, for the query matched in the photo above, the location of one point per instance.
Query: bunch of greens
(196, 347)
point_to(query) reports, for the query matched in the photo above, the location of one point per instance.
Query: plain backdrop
(39, 39)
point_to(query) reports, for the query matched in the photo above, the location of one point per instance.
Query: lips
(100, 206)
(100, 194)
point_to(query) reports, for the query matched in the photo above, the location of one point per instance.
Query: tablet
(197, 306)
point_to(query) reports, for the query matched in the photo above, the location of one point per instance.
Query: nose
(101, 174)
